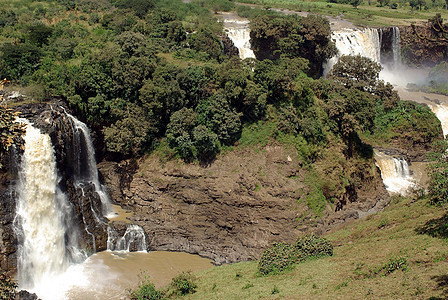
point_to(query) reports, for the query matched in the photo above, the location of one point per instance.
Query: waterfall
(364, 42)
(396, 47)
(133, 239)
(441, 111)
(238, 31)
(85, 166)
(46, 246)
(394, 172)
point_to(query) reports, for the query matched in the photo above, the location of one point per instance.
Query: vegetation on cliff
(10, 131)
(147, 74)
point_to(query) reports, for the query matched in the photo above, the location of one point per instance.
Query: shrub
(7, 287)
(277, 258)
(313, 246)
(393, 265)
(183, 284)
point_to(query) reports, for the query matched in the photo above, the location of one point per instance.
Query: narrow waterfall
(396, 47)
(85, 166)
(394, 172)
(238, 31)
(46, 245)
(364, 42)
(132, 240)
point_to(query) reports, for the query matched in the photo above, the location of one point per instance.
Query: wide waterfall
(238, 31)
(86, 170)
(46, 245)
(394, 172)
(364, 42)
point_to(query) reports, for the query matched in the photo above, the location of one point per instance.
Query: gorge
(63, 206)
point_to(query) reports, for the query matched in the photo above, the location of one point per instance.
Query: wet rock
(25, 295)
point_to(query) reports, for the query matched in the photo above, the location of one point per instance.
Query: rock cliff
(235, 207)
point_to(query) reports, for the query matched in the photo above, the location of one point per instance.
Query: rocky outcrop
(420, 52)
(229, 48)
(232, 209)
(8, 241)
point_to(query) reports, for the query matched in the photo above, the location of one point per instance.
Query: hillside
(409, 237)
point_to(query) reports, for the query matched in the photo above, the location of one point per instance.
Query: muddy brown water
(110, 275)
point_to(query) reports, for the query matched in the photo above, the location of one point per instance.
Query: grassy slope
(365, 14)
(368, 243)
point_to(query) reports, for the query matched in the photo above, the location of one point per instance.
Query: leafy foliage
(183, 284)
(277, 258)
(313, 246)
(146, 291)
(281, 256)
(292, 36)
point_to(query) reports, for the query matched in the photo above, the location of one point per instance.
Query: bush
(393, 265)
(7, 287)
(313, 246)
(183, 284)
(277, 258)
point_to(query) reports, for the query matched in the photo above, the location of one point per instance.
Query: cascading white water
(133, 237)
(45, 248)
(441, 111)
(396, 47)
(88, 172)
(238, 31)
(365, 42)
(394, 172)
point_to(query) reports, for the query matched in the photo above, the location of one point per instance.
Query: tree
(19, 60)
(416, 3)
(179, 132)
(38, 34)
(206, 41)
(293, 37)
(130, 133)
(162, 95)
(355, 3)
(206, 142)
(356, 71)
(140, 7)
(437, 33)
(221, 118)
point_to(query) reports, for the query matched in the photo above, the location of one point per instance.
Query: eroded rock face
(8, 241)
(232, 209)
(420, 52)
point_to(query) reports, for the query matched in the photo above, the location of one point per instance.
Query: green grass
(258, 133)
(401, 262)
(369, 15)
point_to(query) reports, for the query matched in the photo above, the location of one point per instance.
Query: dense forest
(153, 75)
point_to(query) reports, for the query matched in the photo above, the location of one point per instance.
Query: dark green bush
(183, 284)
(313, 246)
(277, 258)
